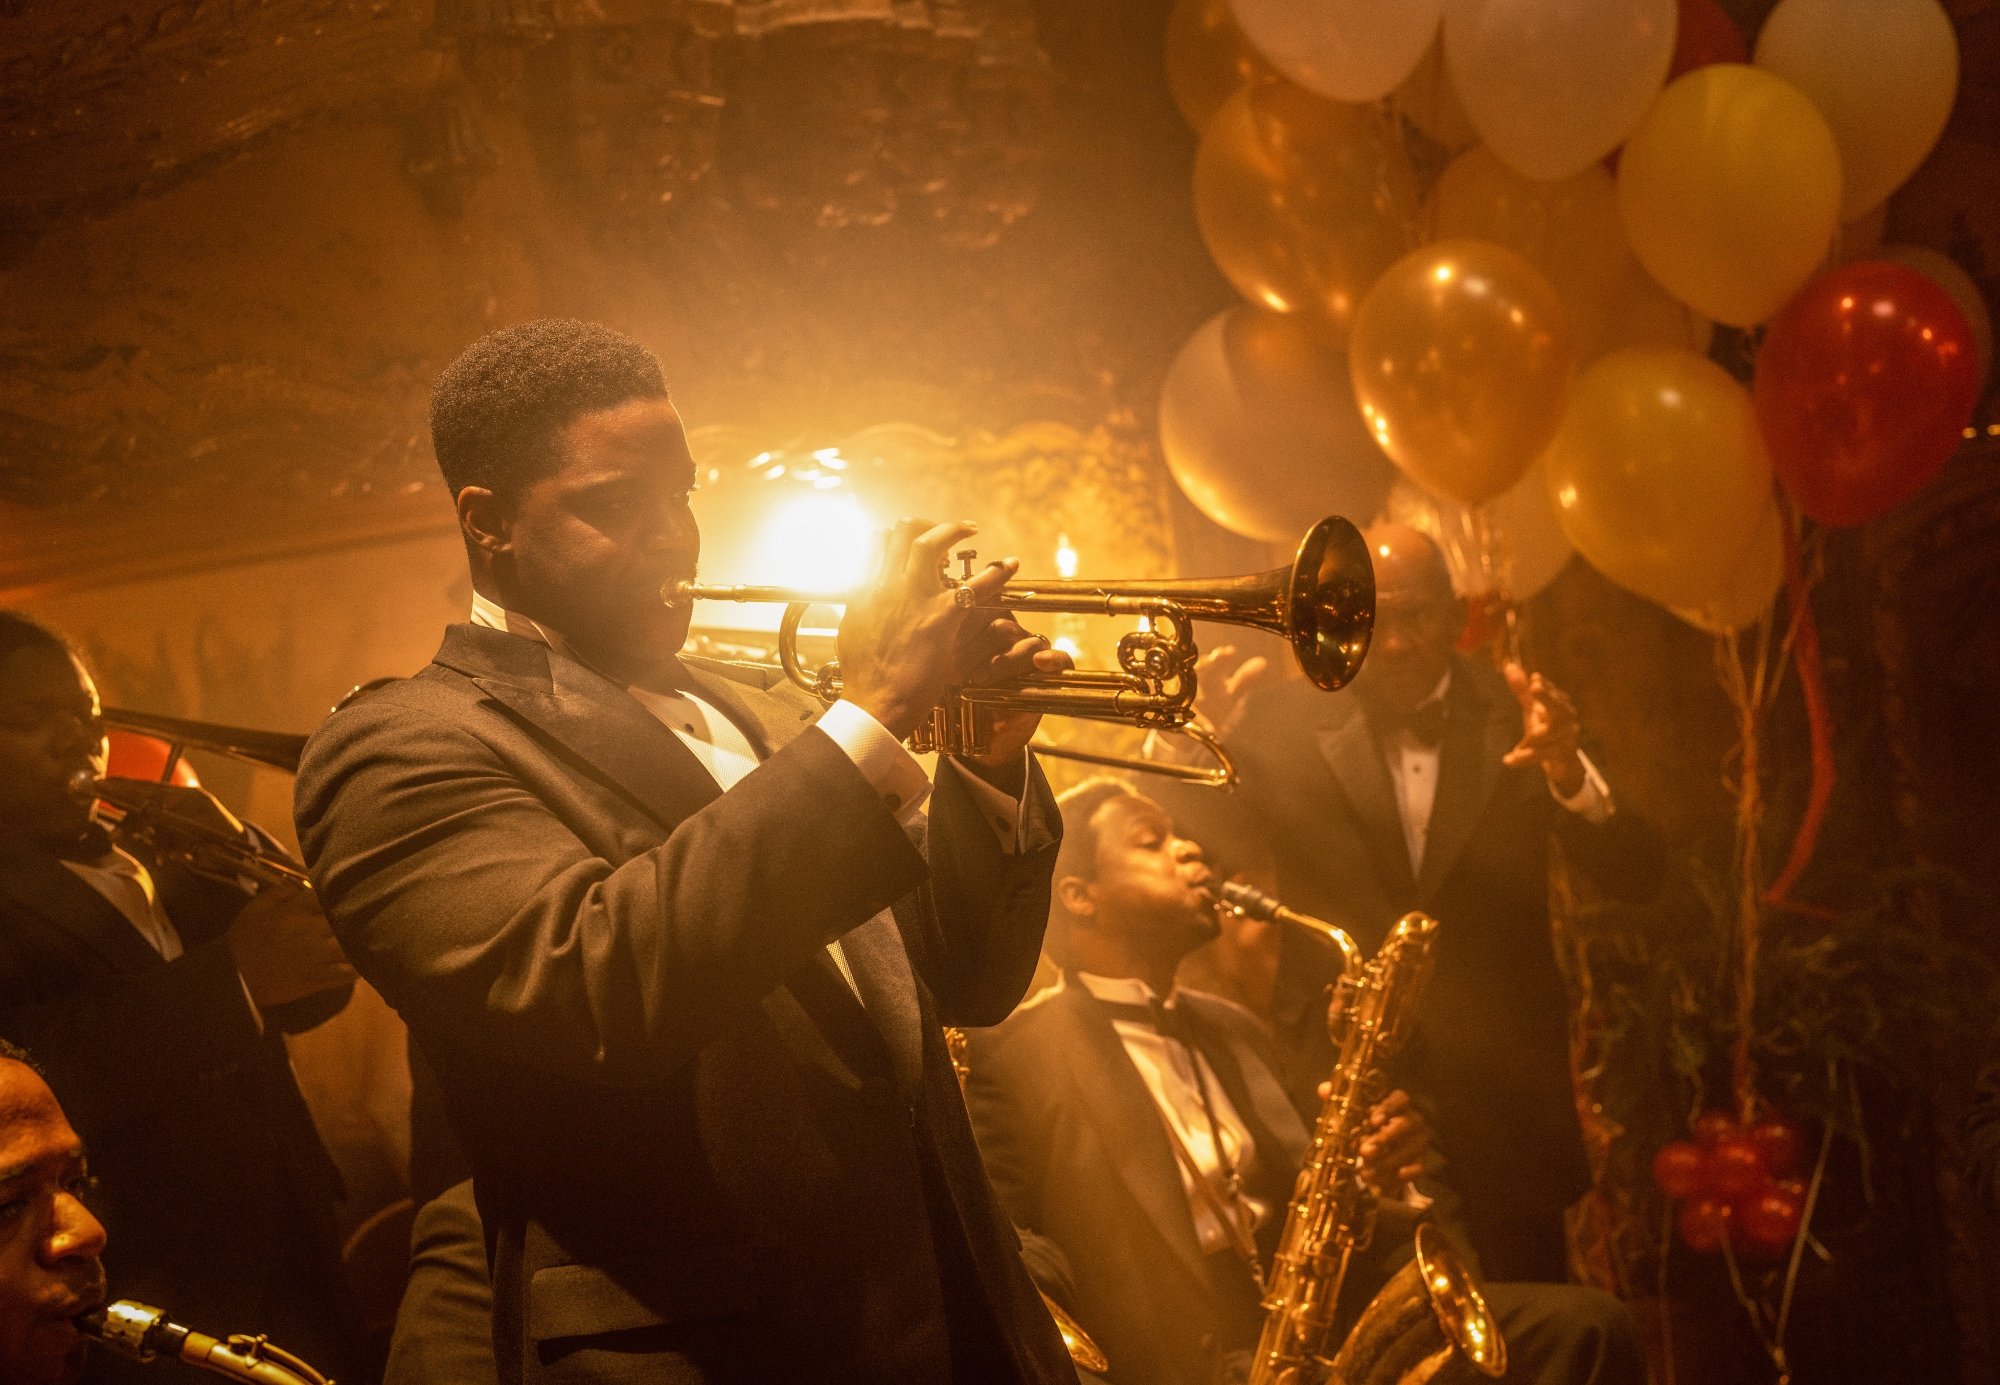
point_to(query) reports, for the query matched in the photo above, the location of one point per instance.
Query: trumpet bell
(1332, 603)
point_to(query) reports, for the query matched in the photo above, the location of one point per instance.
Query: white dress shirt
(728, 755)
(1167, 1067)
(128, 885)
(1413, 766)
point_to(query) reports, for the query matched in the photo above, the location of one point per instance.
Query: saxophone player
(51, 1243)
(1144, 1128)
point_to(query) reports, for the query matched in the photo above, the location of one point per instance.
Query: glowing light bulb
(1065, 558)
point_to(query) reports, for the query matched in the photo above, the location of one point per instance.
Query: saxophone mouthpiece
(1247, 899)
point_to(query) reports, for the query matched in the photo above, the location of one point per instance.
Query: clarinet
(142, 1333)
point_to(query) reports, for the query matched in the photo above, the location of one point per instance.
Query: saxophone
(142, 1333)
(1431, 1317)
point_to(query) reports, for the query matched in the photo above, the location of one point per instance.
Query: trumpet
(142, 1333)
(1322, 604)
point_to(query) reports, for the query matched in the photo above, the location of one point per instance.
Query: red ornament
(1865, 383)
(1778, 1143)
(1706, 35)
(1711, 1127)
(1703, 1223)
(1680, 1168)
(1735, 1169)
(1766, 1223)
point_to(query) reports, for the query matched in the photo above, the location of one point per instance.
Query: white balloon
(1267, 445)
(1351, 50)
(1552, 86)
(1882, 72)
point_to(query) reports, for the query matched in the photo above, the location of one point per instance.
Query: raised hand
(1223, 683)
(1550, 730)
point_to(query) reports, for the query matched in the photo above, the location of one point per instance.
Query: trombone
(222, 847)
(1322, 604)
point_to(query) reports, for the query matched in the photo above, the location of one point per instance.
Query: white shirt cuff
(883, 760)
(1004, 813)
(1592, 802)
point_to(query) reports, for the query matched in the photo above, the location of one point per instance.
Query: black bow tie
(1424, 724)
(1166, 1018)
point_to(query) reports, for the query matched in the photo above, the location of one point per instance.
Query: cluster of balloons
(1617, 176)
(1735, 1185)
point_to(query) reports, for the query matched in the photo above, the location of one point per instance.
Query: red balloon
(1703, 1223)
(1865, 383)
(1735, 1168)
(1764, 1224)
(1778, 1144)
(1707, 35)
(1711, 1127)
(1680, 1168)
(133, 756)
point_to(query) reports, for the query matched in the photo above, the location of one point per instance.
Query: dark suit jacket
(697, 1157)
(1078, 1153)
(216, 1191)
(1490, 1055)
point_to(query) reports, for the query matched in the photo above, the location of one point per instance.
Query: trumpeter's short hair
(499, 410)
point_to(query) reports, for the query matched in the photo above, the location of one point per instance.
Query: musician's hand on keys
(910, 637)
(1394, 1148)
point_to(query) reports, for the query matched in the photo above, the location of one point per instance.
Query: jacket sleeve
(122, 1048)
(1621, 855)
(470, 904)
(991, 907)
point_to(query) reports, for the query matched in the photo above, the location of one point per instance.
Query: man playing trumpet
(676, 939)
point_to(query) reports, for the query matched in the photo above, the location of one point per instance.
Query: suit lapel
(1476, 735)
(33, 886)
(1129, 1125)
(1353, 754)
(1262, 1103)
(742, 695)
(881, 967)
(617, 741)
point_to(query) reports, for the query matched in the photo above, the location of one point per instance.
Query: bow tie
(1424, 724)
(1167, 1019)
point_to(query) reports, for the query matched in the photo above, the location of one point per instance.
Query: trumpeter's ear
(486, 521)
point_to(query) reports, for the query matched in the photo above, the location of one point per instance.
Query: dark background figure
(1131, 1120)
(50, 1241)
(1437, 784)
(157, 999)
(677, 951)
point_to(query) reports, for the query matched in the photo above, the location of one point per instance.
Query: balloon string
(1819, 720)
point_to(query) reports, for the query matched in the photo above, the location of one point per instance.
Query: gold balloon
(1259, 427)
(1746, 592)
(1730, 190)
(1208, 59)
(1660, 477)
(1461, 356)
(1568, 229)
(1302, 201)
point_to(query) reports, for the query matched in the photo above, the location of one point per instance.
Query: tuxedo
(699, 1153)
(1078, 1152)
(215, 1190)
(1489, 1056)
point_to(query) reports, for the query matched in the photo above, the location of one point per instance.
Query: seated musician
(1144, 1129)
(157, 998)
(50, 1242)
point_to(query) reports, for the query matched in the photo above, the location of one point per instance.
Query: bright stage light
(823, 541)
